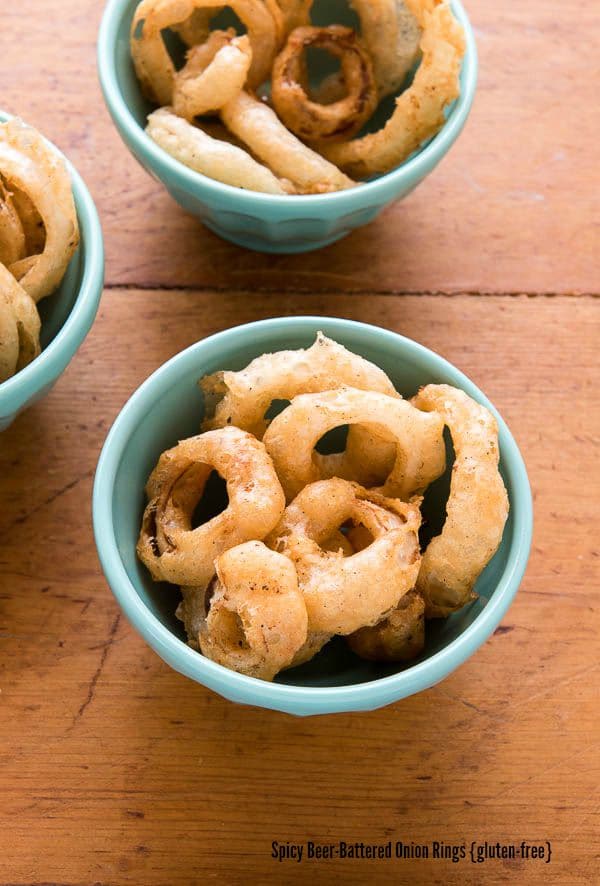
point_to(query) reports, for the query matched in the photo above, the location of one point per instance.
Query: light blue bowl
(67, 316)
(260, 221)
(168, 407)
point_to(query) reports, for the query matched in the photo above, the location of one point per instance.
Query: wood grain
(114, 769)
(513, 208)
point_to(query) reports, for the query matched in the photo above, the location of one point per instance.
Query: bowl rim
(290, 698)
(415, 168)
(48, 365)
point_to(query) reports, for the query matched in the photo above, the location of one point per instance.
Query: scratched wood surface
(113, 769)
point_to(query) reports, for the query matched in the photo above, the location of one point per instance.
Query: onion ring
(12, 235)
(214, 73)
(477, 506)
(291, 437)
(33, 166)
(217, 159)
(9, 337)
(343, 594)
(259, 127)
(399, 637)
(242, 398)
(154, 67)
(26, 317)
(32, 222)
(419, 111)
(308, 119)
(168, 545)
(257, 620)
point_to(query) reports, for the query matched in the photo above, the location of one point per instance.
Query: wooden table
(114, 769)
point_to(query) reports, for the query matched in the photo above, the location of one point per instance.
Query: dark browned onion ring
(308, 119)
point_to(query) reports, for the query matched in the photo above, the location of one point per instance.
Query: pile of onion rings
(38, 236)
(296, 137)
(312, 546)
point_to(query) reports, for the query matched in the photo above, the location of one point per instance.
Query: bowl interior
(323, 12)
(173, 408)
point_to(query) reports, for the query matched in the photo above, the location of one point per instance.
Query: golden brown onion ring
(263, 132)
(242, 398)
(257, 620)
(217, 159)
(168, 545)
(419, 111)
(153, 64)
(291, 438)
(33, 166)
(310, 120)
(343, 594)
(12, 235)
(9, 337)
(399, 637)
(214, 74)
(26, 317)
(477, 506)
(33, 224)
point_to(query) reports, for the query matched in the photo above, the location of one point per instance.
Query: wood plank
(514, 208)
(114, 769)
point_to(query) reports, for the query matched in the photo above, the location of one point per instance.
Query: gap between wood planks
(266, 290)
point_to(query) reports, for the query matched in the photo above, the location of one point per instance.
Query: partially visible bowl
(67, 316)
(168, 407)
(261, 221)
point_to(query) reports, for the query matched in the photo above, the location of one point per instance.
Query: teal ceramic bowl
(67, 316)
(169, 406)
(259, 221)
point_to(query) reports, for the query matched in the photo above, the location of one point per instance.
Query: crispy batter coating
(34, 167)
(26, 318)
(343, 594)
(419, 111)
(313, 121)
(292, 436)
(262, 131)
(214, 73)
(168, 545)
(257, 620)
(399, 637)
(243, 398)
(153, 64)
(477, 506)
(218, 159)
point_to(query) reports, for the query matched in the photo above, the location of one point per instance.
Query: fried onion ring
(419, 112)
(214, 74)
(33, 166)
(242, 398)
(291, 437)
(168, 545)
(399, 637)
(477, 506)
(9, 337)
(154, 67)
(32, 222)
(259, 127)
(343, 594)
(26, 317)
(257, 620)
(324, 122)
(12, 235)
(212, 157)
